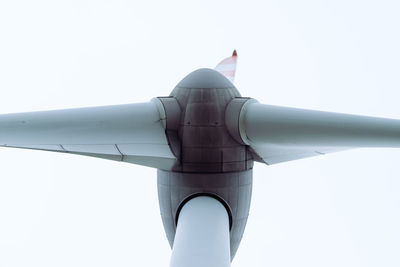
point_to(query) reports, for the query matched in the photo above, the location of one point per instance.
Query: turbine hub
(196, 114)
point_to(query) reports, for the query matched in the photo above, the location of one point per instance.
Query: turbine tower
(203, 138)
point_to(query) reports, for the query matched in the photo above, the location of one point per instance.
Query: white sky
(65, 210)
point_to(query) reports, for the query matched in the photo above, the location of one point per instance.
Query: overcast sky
(64, 210)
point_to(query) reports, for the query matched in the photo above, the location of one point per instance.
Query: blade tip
(234, 54)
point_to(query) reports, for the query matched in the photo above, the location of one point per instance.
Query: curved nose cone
(205, 143)
(205, 79)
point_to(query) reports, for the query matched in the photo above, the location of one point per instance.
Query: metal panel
(205, 143)
(157, 150)
(234, 189)
(280, 134)
(132, 133)
(97, 149)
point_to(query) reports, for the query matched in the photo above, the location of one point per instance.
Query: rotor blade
(227, 67)
(278, 134)
(132, 133)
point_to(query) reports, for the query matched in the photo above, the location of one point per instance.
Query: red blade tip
(234, 54)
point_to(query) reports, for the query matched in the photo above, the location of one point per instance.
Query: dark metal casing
(210, 160)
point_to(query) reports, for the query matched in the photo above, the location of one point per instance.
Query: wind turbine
(203, 138)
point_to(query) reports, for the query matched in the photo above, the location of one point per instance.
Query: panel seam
(119, 151)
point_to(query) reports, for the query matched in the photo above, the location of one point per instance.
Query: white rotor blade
(227, 67)
(279, 134)
(132, 133)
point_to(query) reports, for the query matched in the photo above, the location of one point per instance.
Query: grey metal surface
(233, 189)
(202, 235)
(205, 143)
(210, 161)
(232, 117)
(280, 134)
(172, 123)
(206, 79)
(131, 133)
